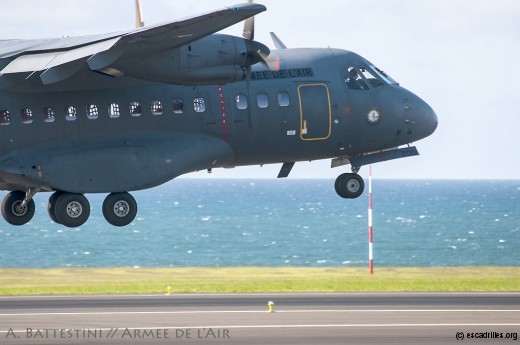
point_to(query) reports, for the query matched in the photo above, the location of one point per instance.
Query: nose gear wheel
(349, 186)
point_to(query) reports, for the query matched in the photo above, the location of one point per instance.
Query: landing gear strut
(349, 186)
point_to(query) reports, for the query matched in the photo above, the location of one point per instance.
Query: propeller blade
(139, 23)
(249, 27)
(262, 52)
(272, 64)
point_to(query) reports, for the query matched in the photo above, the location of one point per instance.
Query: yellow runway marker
(271, 306)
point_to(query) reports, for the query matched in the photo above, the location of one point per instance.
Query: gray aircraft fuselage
(128, 152)
(108, 136)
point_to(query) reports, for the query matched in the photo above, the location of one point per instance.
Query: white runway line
(187, 312)
(261, 294)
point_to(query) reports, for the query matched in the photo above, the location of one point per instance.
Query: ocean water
(283, 223)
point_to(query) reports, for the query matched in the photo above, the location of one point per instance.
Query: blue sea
(303, 223)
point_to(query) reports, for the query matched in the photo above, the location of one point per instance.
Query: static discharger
(271, 306)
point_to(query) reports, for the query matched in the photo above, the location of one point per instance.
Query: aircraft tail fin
(277, 41)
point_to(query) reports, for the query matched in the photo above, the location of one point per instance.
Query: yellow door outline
(303, 122)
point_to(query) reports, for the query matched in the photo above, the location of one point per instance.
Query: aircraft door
(315, 112)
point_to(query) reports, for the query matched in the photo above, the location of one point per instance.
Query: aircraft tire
(119, 209)
(12, 212)
(72, 210)
(51, 206)
(349, 186)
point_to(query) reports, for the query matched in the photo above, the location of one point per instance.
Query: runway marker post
(370, 225)
(271, 306)
(169, 289)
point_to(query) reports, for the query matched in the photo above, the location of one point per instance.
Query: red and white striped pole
(370, 228)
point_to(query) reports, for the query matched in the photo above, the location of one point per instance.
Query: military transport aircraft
(131, 110)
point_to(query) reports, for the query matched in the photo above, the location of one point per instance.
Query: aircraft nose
(429, 119)
(420, 117)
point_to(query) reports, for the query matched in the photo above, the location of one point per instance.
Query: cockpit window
(354, 80)
(371, 77)
(376, 77)
(383, 75)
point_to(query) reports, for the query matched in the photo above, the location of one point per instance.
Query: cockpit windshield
(383, 75)
(358, 78)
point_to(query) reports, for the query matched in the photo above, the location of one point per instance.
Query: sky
(460, 56)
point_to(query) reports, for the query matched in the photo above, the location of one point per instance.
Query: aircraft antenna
(370, 227)
(139, 23)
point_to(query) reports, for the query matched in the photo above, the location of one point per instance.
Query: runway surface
(357, 318)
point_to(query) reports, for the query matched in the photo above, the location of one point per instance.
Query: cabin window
(27, 116)
(5, 117)
(48, 114)
(70, 113)
(157, 108)
(283, 99)
(114, 111)
(135, 109)
(241, 101)
(262, 100)
(199, 105)
(354, 81)
(92, 112)
(178, 106)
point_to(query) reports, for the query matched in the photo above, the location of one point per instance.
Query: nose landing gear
(349, 186)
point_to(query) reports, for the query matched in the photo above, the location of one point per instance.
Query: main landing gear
(349, 186)
(16, 210)
(69, 209)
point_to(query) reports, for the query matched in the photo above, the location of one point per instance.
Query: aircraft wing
(48, 61)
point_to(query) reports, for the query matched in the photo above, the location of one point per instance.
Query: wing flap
(44, 61)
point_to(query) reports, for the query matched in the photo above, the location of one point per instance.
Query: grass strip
(255, 279)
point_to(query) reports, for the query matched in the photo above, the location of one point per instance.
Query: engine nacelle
(215, 59)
